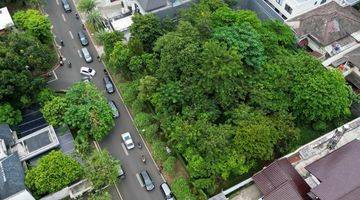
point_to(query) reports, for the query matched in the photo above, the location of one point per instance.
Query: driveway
(65, 27)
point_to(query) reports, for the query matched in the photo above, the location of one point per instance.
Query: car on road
(66, 5)
(86, 54)
(109, 86)
(121, 173)
(114, 108)
(83, 39)
(87, 71)
(127, 140)
(149, 185)
(165, 189)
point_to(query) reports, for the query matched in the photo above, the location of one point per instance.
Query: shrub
(45, 95)
(169, 164)
(181, 189)
(159, 151)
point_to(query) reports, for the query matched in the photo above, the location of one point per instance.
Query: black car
(149, 185)
(83, 39)
(109, 86)
(66, 5)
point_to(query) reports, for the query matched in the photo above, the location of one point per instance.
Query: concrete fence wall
(260, 7)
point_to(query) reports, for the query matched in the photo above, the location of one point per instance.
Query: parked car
(121, 173)
(66, 5)
(149, 185)
(114, 109)
(86, 55)
(87, 71)
(127, 140)
(109, 86)
(83, 39)
(165, 189)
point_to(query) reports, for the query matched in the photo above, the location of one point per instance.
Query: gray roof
(173, 12)
(149, 5)
(327, 23)
(11, 176)
(5, 134)
(38, 141)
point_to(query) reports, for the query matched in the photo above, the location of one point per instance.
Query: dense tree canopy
(52, 173)
(83, 109)
(229, 91)
(9, 115)
(35, 23)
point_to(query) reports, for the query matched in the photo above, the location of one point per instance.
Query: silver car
(114, 109)
(149, 185)
(86, 55)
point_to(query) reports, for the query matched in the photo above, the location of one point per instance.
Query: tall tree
(34, 22)
(102, 169)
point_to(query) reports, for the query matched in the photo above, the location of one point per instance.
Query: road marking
(71, 35)
(118, 192)
(79, 53)
(125, 150)
(57, 2)
(139, 179)
(63, 16)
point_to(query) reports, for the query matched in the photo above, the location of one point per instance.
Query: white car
(87, 71)
(127, 140)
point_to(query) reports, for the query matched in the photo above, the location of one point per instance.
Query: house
(5, 19)
(292, 8)
(326, 168)
(12, 185)
(280, 181)
(118, 13)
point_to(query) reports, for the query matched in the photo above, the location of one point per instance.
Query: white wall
(298, 6)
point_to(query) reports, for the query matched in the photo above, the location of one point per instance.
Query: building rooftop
(280, 180)
(36, 143)
(6, 135)
(327, 23)
(11, 176)
(150, 5)
(5, 18)
(338, 173)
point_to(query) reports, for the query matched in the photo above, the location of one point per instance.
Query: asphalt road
(65, 27)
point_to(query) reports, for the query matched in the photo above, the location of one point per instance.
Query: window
(323, 1)
(315, 3)
(288, 8)
(279, 2)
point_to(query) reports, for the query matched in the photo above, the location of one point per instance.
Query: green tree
(52, 173)
(245, 38)
(101, 169)
(119, 58)
(100, 196)
(54, 110)
(34, 22)
(146, 28)
(9, 115)
(88, 112)
(108, 39)
(45, 95)
(86, 5)
(169, 164)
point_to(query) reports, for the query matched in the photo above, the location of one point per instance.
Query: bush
(150, 131)
(181, 189)
(82, 145)
(142, 120)
(9, 115)
(319, 126)
(159, 151)
(138, 106)
(169, 164)
(129, 92)
(86, 5)
(100, 196)
(53, 172)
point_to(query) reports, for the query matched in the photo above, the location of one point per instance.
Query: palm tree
(86, 5)
(95, 19)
